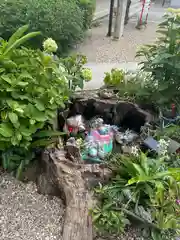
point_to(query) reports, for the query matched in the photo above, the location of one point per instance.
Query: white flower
(163, 147)
(135, 151)
(50, 45)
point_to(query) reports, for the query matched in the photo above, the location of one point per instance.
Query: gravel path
(27, 215)
(100, 49)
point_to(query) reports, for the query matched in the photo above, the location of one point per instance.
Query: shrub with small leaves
(114, 78)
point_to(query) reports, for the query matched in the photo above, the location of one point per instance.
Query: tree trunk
(71, 178)
(78, 224)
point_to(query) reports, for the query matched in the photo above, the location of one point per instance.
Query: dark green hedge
(88, 8)
(63, 20)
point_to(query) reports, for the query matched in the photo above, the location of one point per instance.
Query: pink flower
(178, 201)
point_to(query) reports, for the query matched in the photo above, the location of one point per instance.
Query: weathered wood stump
(60, 176)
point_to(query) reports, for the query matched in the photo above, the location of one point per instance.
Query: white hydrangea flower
(50, 45)
(87, 74)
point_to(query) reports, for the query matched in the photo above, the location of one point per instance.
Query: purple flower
(178, 201)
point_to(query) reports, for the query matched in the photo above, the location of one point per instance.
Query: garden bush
(34, 84)
(88, 8)
(162, 59)
(142, 189)
(158, 79)
(60, 19)
(32, 88)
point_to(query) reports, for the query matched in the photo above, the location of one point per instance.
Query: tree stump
(69, 179)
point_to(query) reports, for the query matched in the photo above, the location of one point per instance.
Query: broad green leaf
(5, 161)
(48, 133)
(25, 75)
(22, 84)
(20, 170)
(19, 136)
(18, 34)
(139, 170)
(25, 131)
(14, 141)
(32, 122)
(21, 41)
(39, 105)
(12, 104)
(9, 64)
(96, 217)
(156, 235)
(6, 130)
(13, 118)
(6, 78)
(42, 143)
(133, 180)
(144, 163)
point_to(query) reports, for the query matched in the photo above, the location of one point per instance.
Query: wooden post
(110, 18)
(120, 18)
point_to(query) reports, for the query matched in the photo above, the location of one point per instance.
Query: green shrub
(60, 19)
(32, 88)
(142, 189)
(88, 7)
(115, 78)
(77, 74)
(162, 60)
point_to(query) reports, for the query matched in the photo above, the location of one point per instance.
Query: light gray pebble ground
(27, 215)
(129, 234)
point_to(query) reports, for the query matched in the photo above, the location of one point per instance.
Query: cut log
(70, 179)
